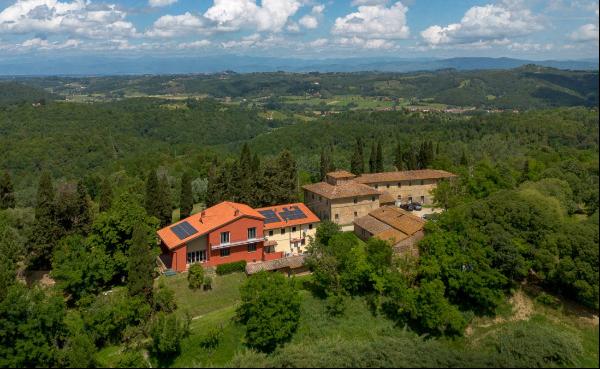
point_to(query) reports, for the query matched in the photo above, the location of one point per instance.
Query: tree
(141, 262)
(326, 162)
(373, 159)
(195, 276)
(105, 196)
(435, 313)
(379, 159)
(167, 331)
(165, 205)
(411, 160)
(214, 186)
(45, 232)
(270, 309)
(186, 198)
(287, 179)
(164, 299)
(152, 200)
(7, 195)
(399, 158)
(357, 162)
(10, 254)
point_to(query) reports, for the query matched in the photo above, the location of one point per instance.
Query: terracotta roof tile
(341, 174)
(293, 262)
(403, 176)
(386, 198)
(399, 219)
(208, 220)
(340, 191)
(371, 225)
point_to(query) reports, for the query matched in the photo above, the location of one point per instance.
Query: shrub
(132, 359)
(237, 266)
(211, 339)
(195, 276)
(207, 283)
(548, 300)
(167, 331)
(164, 299)
(336, 305)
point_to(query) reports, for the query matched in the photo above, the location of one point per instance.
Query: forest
(84, 187)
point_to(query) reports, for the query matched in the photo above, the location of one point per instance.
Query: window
(196, 256)
(409, 199)
(337, 217)
(282, 230)
(269, 249)
(388, 186)
(399, 184)
(422, 182)
(355, 214)
(224, 238)
(271, 233)
(225, 252)
(376, 186)
(410, 183)
(252, 247)
(251, 233)
(293, 229)
(422, 199)
(355, 200)
(310, 226)
(372, 198)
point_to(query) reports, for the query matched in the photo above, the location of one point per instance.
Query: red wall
(179, 258)
(238, 231)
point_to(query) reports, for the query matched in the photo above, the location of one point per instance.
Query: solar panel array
(292, 214)
(270, 216)
(183, 230)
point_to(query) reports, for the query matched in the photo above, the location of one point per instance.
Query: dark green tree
(140, 266)
(105, 195)
(357, 163)
(399, 157)
(186, 197)
(195, 276)
(46, 231)
(379, 158)
(7, 194)
(214, 186)
(373, 159)
(270, 309)
(287, 183)
(152, 199)
(165, 204)
(167, 331)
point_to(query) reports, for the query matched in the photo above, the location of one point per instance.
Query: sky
(532, 29)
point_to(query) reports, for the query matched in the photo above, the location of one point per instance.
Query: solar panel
(292, 214)
(270, 216)
(179, 232)
(184, 230)
(188, 228)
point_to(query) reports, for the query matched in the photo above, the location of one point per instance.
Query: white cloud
(42, 44)
(481, 23)
(194, 44)
(309, 21)
(320, 42)
(158, 3)
(374, 22)
(587, 32)
(176, 25)
(233, 15)
(77, 17)
(318, 9)
(369, 2)
(364, 43)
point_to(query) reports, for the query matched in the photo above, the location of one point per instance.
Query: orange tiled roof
(310, 216)
(390, 223)
(340, 191)
(403, 176)
(207, 220)
(341, 174)
(386, 198)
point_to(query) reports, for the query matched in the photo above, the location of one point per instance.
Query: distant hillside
(97, 65)
(16, 93)
(525, 87)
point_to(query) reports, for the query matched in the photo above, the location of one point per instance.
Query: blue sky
(534, 29)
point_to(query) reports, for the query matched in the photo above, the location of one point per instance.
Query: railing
(238, 243)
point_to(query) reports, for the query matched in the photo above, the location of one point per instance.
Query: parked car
(408, 207)
(417, 206)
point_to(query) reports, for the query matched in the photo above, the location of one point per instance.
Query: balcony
(237, 243)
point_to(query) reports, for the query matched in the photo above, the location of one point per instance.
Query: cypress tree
(186, 199)
(140, 264)
(288, 178)
(213, 187)
(105, 196)
(323, 166)
(45, 232)
(331, 161)
(463, 159)
(165, 206)
(357, 164)
(525, 172)
(361, 152)
(398, 160)
(379, 158)
(82, 219)
(410, 158)
(373, 159)
(151, 202)
(437, 148)
(7, 195)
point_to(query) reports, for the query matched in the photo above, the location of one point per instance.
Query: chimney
(236, 213)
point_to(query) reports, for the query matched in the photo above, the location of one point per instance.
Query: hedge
(237, 266)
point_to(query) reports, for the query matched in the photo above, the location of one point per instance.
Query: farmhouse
(229, 232)
(344, 197)
(390, 223)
